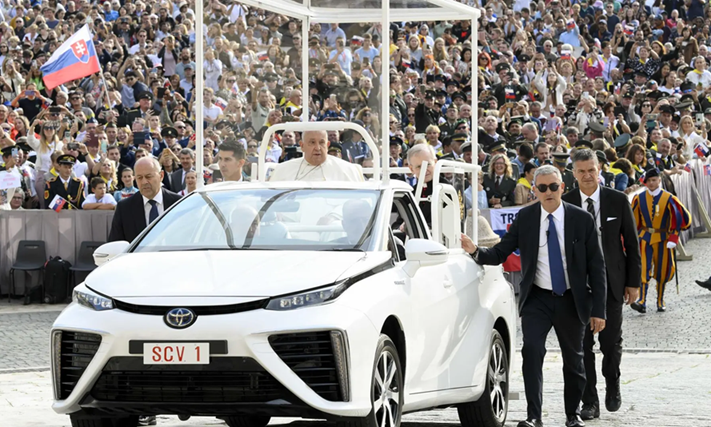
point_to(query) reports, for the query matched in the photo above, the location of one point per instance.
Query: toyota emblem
(180, 318)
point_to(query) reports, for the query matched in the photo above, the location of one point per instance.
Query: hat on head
(498, 147)
(460, 137)
(7, 151)
(583, 143)
(683, 105)
(458, 95)
(622, 141)
(601, 157)
(515, 120)
(145, 95)
(628, 94)
(561, 159)
(597, 126)
(707, 111)
(467, 146)
(651, 173)
(335, 146)
(452, 82)
(502, 66)
(429, 94)
(667, 109)
(396, 140)
(66, 159)
(687, 87)
(169, 132)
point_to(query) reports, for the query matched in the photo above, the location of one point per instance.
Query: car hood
(244, 274)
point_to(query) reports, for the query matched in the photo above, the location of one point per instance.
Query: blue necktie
(555, 260)
(153, 214)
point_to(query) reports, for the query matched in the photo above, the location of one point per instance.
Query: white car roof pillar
(305, 97)
(475, 136)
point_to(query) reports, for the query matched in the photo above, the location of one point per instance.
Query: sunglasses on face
(544, 188)
(251, 146)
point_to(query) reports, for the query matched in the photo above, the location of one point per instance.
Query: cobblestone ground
(666, 368)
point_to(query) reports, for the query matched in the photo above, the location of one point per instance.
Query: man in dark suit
(563, 287)
(618, 236)
(134, 213)
(187, 164)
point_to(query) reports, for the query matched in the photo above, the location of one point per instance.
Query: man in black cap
(448, 127)
(427, 112)
(597, 129)
(335, 149)
(144, 110)
(513, 129)
(666, 112)
(64, 185)
(170, 136)
(560, 161)
(608, 178)
(451, 146)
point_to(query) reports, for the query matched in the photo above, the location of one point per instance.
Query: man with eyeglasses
(563, 287)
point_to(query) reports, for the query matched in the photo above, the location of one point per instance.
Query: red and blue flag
(75, 58)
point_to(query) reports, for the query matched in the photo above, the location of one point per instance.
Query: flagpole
(103, 79)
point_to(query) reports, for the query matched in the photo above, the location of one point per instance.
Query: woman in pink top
(593, 65)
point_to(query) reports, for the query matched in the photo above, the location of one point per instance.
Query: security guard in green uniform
(64, 185)
(560, 161)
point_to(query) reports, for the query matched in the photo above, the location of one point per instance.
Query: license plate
(176, 353)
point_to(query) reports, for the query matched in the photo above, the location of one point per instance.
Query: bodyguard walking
(563, 287)
(617, 233)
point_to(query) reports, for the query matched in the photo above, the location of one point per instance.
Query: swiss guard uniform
(660, 218)
(72, 190)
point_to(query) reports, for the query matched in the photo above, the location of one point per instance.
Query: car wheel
(80, 421)
(251, 421)
(492, 407)
(386, 389)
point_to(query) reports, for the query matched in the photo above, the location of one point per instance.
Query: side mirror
(109, 251)
(423, 253)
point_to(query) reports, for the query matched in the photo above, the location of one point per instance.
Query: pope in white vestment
(316, 165)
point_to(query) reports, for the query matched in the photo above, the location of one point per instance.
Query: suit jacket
(505, 192)
(176, 181)
(620, 245)
(130, 217)
(584, 260)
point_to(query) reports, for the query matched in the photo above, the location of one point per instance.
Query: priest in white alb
(316, 164)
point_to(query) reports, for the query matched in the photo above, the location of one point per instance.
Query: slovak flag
(221, 103)
(57, 204)
(707, 170)
(75, 58)
(701, 150)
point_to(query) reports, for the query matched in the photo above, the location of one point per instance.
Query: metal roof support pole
(385, 90)
(474, 129)
(305, 96)
(199, 88)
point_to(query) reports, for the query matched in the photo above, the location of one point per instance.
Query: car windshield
(308, 219)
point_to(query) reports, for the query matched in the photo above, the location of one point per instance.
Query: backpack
(56, 280)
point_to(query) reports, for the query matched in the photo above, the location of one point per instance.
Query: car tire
(128, 421)
(492, 407)
(386, 395)
(247, 421)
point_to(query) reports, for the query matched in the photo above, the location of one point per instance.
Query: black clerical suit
(540, 309)
(620, 247)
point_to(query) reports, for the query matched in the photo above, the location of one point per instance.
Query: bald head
(148, 176)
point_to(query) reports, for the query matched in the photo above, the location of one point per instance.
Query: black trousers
(611, 347)
(541, 312)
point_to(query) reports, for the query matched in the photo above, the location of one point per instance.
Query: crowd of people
(628, 80)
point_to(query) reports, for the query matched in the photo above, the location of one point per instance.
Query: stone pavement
(666, 367)
(659, 390)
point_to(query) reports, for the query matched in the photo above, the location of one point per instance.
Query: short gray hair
(420, 149)
(188, 151)
(547, 170)
(583, 155)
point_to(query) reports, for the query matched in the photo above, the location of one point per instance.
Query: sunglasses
(180, 127)
(251, 146)
(544, 188)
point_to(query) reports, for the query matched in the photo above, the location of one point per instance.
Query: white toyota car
(260, 300)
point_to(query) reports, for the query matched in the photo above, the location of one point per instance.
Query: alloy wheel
(498, 381)
(386, 391)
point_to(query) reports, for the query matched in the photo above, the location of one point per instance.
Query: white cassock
(333, 169)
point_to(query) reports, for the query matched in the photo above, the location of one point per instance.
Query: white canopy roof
(338, 11)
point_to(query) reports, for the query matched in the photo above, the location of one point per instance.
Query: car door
(433, 321)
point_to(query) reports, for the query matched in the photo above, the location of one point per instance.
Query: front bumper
(247, 337)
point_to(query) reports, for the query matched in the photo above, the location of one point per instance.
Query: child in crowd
(99, 200)
(127, 189)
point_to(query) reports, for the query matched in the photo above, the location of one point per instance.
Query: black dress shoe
(706, 284)
(661, 308)
(613, 398)
(147, 420)
(590, 411)
(638, 307)
(574, 421)
(531, 422)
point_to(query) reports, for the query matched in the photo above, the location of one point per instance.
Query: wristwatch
(475, 253)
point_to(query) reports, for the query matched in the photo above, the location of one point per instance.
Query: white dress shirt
(596, 204)
(543, 270)
(147, 206)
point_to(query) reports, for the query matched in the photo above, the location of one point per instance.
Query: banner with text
(501, 220)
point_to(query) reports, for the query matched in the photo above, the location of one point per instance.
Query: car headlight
(93, 301)
(306, 299)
